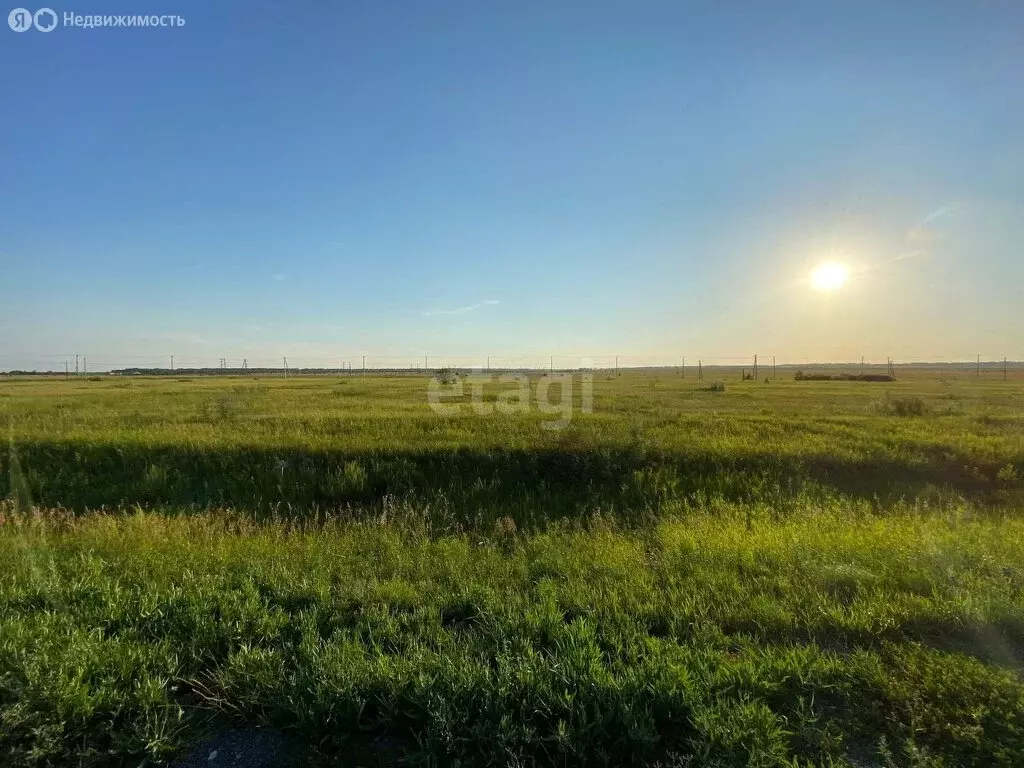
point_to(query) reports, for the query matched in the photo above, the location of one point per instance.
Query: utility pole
(1004, 369)
(285, 360)
(425, 366)
(172, 362)
(245, 363)
(616, 365)
(364, 365)
(65, 369)
(978, 372)
(682, 370)
(551, 366)
(773, 367)
(700, 370)
(85, 365)
(755, 369)
(76, 365)
(862, 365)
(488, 362)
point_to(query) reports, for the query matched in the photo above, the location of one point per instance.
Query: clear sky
(650, 179)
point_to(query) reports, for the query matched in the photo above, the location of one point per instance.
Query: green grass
(807, 573)
(307, 446)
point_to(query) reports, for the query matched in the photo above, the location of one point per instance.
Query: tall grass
(768, 575)
(348, 447)
(817, 639)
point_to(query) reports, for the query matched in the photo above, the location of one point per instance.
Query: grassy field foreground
(777, 574)
(824, 639)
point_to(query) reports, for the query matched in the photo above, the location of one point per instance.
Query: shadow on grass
(461, 486)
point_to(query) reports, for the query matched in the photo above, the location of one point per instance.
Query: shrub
(446, 376)
(904, 406)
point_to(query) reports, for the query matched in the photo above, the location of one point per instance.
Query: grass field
(813, 573)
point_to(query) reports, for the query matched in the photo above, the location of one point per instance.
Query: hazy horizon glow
(465, 180)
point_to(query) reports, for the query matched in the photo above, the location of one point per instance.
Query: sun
(830, 276)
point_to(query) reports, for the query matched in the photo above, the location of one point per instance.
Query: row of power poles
(82, 366)
(79, 370)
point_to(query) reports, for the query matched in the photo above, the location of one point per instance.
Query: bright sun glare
(830, 276)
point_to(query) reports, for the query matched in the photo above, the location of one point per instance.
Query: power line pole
(755, 369)
(682, 370)
(1004, 369)
(862, 365)
(978, 372)
(616, 365)
(85, 365)
(700, 370)
(551, 365)
(364, 365)
(65, 369)
(488, 362)
(773, 367)
(76, 365)
(285, 360)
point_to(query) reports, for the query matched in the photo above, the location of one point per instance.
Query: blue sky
(649, 179)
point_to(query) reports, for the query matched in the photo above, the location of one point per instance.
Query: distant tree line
(801, 376)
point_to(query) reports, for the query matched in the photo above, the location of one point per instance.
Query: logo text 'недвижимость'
(47, 20)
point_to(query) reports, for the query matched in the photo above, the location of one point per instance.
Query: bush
(446, 376)
(904, 406)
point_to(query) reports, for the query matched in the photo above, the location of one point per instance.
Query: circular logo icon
(20, 20)
(45, 20)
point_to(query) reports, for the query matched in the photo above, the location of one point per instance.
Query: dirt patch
(248, 747)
